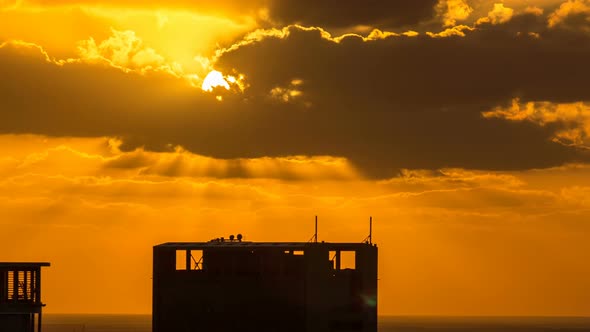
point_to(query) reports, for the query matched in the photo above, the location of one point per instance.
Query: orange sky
(461, 126)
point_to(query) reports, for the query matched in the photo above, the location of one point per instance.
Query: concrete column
(38, 285)
(3, 286)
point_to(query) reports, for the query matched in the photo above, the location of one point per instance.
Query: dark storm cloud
(335, 13)
(397, 102)
(488, 66)
(416, 102)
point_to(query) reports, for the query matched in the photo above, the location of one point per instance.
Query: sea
(142, 323)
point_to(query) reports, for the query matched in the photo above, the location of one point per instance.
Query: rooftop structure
(20, 297)
(230, 285)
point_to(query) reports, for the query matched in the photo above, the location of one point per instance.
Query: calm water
(140, 323)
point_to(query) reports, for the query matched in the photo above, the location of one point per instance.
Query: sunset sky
(461, 126)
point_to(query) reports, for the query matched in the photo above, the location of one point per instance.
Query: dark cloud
(397, 102)
(335, 13)
(416, 102)
(489, 65)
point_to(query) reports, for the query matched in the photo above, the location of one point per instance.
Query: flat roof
(261, 245)
(23, 264)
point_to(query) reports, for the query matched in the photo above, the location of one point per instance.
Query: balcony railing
(20, 286)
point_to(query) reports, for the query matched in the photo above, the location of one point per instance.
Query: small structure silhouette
(264, 286)
(20, 297)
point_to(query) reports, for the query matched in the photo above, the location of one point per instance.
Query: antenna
(371, 230)
(314, 238)
(316, 229)
(369, 239)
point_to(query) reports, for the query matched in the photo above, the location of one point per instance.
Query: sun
(213, 80)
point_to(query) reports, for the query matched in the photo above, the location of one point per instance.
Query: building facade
(20, 297)
(229, 285)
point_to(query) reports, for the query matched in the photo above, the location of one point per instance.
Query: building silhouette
(230, 285)
(20, 297)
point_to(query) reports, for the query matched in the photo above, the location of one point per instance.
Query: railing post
(188, 260)
(38, 285)
(15, 285)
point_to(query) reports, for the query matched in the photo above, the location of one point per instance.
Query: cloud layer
(385, 102)
(442, 231)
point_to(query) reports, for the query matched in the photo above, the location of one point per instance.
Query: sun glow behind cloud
(133, 39)
(127, 52)
(214, 79)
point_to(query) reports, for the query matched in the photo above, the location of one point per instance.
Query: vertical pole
(25, 288)
(34, 296)
(38, 286)
(316, 229)
(15, 285)
(370, 230)
(188, 260)
(38, 297)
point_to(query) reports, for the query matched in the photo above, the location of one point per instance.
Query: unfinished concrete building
(230, 285)
(20, 297)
